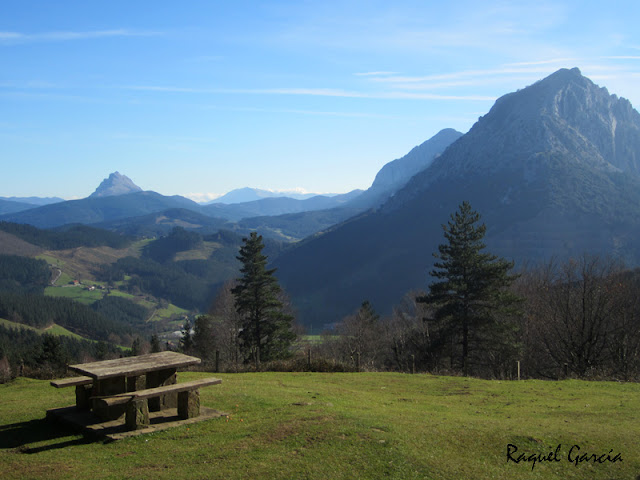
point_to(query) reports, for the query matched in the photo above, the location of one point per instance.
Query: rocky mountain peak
(116, 184)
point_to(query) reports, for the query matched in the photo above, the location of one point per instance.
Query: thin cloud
(374, 74)
(322, 92)
(563, 61)
(464, 74)
(9, 38)
(623, 57)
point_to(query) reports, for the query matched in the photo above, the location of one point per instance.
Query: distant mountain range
(34, 200)
(554, 170)
(93, 210)
(248, 194)
(118, 203)
(19, 204)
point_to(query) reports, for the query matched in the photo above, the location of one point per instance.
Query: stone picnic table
(128, 374)
(136, 386)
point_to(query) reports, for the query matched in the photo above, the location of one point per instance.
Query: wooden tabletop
(131, 366)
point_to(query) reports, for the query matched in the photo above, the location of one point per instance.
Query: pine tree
(266, 329)
(470, 297)
(186, 341)
(136, 347)
(155, 344)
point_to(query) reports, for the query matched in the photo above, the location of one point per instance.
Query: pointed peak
(116, 184)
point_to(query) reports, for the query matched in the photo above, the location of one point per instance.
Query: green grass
(53, 329)
(64, 279)
(136, 248)
(334, 426)
(168, 313)
(51, 260)
(79, 293)
(202, 253)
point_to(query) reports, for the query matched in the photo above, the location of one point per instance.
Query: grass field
(342, 426)
(53, 329)
(78, 293)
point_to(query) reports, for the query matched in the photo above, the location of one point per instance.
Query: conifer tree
(186, 341)
(470, 296)
(135, 347)
(155, 344)
(266, 329)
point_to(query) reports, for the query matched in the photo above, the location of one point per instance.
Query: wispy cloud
(321, 92)
(374, 74)
(10, 38)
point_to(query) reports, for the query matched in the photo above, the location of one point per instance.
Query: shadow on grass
(26, 437)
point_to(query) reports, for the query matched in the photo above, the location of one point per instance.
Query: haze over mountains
(248, 194)
(554, 170)
(118, 203)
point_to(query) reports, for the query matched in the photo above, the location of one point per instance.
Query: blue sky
(196, 98)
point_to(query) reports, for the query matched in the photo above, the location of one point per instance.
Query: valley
(553, 170)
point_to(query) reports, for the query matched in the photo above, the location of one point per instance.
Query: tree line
(23, 274)
(70, 236)
(25, 352)
(39, 311)
(578, 318)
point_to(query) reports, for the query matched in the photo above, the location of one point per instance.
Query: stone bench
(137, 407)
(83, 389)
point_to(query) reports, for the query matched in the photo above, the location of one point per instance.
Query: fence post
(217, 361)
(413, 364)
(518, 362)
(309, 358)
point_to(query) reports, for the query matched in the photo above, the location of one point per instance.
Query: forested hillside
(70, 236)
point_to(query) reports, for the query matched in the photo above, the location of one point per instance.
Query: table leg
(188, 404)
(137, 416)
(136, 383)
(83, 397)
(106, 387)
(160, 378)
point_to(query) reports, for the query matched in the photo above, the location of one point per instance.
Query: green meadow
(53, 329)
(343, 426)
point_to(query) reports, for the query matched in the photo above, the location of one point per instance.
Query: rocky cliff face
(552, 169)
(563, 122)
(116, 184)
(394, 175)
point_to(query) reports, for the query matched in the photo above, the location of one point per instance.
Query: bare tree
(573, 313)
(361, 338)
(408, 335)
(626, 342)
(226, 327)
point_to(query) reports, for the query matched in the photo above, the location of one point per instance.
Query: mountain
(99, 209)
(277, 206)
(10, 206)
(291, 220)
(115, 184)
(394, 175)
(247, 194)
(554, 170)
(38, 201)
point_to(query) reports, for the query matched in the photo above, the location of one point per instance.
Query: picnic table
(135, 386)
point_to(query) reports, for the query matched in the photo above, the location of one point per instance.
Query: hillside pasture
(53, 329)
(343, 426)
